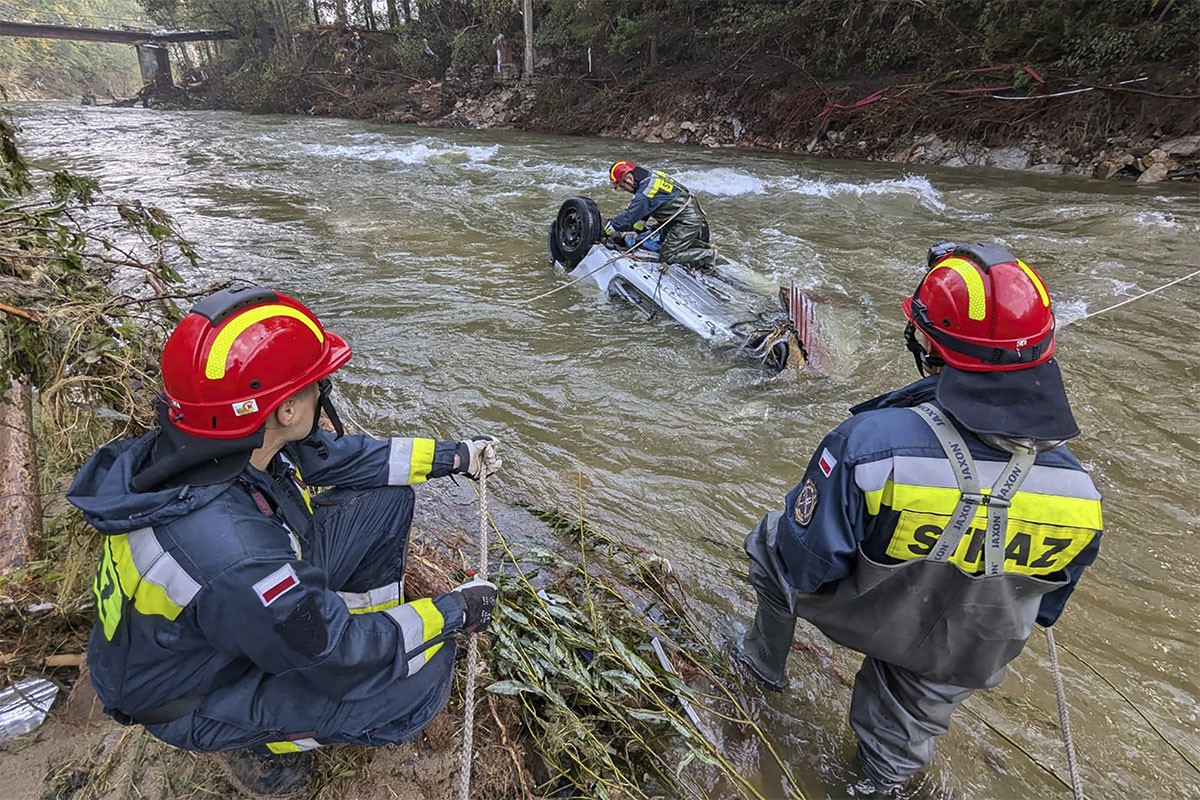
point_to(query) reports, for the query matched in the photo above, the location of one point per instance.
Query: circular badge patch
(806, 503)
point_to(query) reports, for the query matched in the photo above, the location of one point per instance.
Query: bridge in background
(37, 30)
(153, 56)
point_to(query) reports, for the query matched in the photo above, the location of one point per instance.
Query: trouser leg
(360, 536)
(360, 539)
(682, 243)
(765, 647)
(897, 716)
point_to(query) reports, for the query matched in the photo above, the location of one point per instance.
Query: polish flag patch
(827, 462)
(276, 585)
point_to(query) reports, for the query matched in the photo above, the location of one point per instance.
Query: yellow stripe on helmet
(217, 356)
(1033, 276)
(976, 295)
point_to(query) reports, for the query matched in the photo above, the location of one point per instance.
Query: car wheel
(577, 227)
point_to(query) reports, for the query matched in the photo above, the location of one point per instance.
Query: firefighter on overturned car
(938, 523)
(236, 610)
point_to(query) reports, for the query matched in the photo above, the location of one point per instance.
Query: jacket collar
(921, 391)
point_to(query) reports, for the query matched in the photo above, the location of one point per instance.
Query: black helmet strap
(925, 360)
(324, 403)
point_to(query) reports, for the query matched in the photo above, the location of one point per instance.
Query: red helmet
(983, 309)
(237, 355)
(619, 170)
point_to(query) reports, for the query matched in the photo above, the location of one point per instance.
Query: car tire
(577, 227)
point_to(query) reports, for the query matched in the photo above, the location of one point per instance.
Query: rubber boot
(258, 774)
(765, 647)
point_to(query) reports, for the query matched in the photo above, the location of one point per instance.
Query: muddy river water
(424, 248)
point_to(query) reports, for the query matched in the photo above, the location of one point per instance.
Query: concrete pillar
(155, 63)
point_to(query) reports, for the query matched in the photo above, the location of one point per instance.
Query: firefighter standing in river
(237, 612)
(937, 524)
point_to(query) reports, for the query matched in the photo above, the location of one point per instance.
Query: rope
(637, 245)
(472, 643)
(1063, 721)
(468, 751)
(1131, 299)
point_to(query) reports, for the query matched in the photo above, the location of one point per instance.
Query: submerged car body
(721, 306)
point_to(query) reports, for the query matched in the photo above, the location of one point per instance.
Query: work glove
(475, 453)
(608, 227)
(479, 600)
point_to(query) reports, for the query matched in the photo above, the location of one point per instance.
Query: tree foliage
(86, 283)
(42, 68)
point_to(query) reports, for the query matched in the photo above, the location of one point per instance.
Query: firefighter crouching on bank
(237, 612)
(939, 522)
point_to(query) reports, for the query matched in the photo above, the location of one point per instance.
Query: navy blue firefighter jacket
(198, 586)
(880, 481)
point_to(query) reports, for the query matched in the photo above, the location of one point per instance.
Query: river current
(424, 248)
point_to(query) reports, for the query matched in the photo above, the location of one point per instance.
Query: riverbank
(1143, 127)
(1123, 132)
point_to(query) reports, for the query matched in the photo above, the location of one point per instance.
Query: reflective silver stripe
(293, 746)
(873, 476)
(400, 462)
(939, 473)
(159, 567)
(378, 599)
(412, 629)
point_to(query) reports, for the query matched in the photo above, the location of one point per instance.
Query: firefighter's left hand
(476, 454)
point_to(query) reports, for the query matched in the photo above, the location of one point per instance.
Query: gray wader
(932, 632)
(681, 242)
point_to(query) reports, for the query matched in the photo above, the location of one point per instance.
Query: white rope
(1131, 299)
(468, 749)
(472, 647)
(1063, 721)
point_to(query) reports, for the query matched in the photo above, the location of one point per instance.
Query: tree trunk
(316, 13)
(339, 7)
(407, 6)
(393, 16)
(527, 13)
(20, 503)
(368, 10)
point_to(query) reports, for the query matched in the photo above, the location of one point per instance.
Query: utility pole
(527, 13)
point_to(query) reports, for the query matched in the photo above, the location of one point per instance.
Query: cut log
(20, 503)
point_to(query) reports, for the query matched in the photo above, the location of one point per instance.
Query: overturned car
(720, 306)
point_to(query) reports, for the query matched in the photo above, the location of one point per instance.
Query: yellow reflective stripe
(410, 461)
(421, 460)
(381, 598)
(433, 621)
(661, 182)
(1047, 509)
(303, 490)
(1036, 282)
(153, 580)
(419, 622)
(976, 295)
(215, 368)
(1030, 548)
(110, 599)
(877, 498)
(297, 746)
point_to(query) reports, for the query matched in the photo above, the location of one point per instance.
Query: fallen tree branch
(19, 312)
